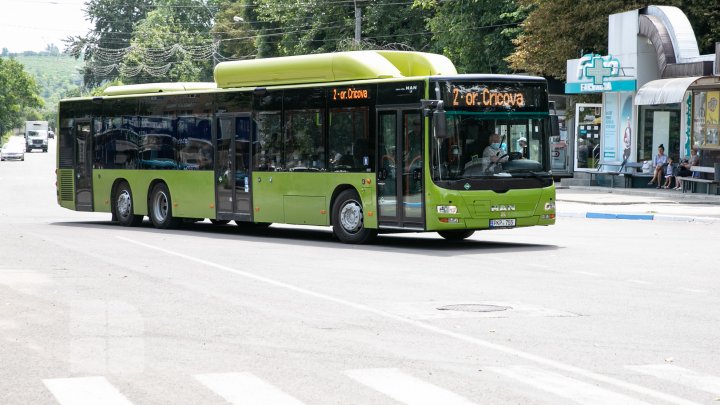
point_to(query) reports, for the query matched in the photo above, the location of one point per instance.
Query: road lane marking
(682, 376)
(405, 388)
(85, 391)
(425, 326)
(246, 389)
(578, 391)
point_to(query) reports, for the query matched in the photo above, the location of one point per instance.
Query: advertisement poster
(626, 114)
(610, 127)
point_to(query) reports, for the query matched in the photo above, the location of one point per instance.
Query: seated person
(493, 155)
(668, 173)
(685, 165)
(659, 163)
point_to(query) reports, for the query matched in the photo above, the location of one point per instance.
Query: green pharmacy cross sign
(595, 74)
(598, 71)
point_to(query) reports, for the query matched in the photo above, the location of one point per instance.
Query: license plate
(502, 223)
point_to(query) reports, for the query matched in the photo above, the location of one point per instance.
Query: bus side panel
(306, 198)
(192, 192)
(475, 209)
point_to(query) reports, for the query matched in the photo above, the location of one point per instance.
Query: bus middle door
(232, 157)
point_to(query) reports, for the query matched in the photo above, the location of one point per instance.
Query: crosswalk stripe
(405, 388)
(85, 391)
(245, 388)
(565, 387)
(682, 376)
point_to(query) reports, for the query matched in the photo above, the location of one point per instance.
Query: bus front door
(232, 158)
(400, 169)
(83, 166)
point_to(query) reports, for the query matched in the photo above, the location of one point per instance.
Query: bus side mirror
(439, 122)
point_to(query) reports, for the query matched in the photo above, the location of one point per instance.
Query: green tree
(475, 34)
(237, 29)
(268, 28)
(19, 92)
(113, 24)
(393, 24)
(172, 43)
(558, 30)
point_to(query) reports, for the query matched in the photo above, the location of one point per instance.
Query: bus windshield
(486, 145)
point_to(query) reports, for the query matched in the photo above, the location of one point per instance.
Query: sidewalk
(637, 204)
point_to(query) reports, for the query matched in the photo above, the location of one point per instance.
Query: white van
(36, 135)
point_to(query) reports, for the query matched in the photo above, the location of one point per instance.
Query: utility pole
(358, 22)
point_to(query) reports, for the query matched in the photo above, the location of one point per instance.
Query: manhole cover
(474, 308)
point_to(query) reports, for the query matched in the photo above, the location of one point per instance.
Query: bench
(635, 171)
(690, 183)
(611, 173)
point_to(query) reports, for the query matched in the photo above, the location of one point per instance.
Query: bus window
(268, 156)
(303, 142)
(350, 144)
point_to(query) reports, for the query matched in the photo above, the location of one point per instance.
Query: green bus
(367, 142)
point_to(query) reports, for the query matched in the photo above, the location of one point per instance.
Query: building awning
(664, 91)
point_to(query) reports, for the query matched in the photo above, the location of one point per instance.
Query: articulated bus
(366, 142)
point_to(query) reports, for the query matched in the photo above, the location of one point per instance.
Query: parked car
(13, 150)
(51, 134)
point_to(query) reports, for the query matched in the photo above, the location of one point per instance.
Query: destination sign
(486, 98)
(350, 93)
(496, 96)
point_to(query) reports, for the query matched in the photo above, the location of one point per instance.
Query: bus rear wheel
(161, 208)
(122, 208)
(457, 235)
(349, 221)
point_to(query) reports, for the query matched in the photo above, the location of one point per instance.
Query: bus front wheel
(122, 208)
(348, 219)
(457, 235)
(161, 208)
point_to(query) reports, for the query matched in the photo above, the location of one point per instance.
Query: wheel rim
(160, 206)
(351, 217)
(124, 204)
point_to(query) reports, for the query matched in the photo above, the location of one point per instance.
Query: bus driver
(493, 155)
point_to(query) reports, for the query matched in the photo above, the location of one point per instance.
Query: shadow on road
(420, 243)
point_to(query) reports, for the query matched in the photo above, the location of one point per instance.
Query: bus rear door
(83, 165)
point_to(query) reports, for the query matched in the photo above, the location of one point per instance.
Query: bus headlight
(549, 206)
(447, 209)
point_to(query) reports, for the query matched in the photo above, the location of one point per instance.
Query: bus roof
(307, 69)
(157, 88)
(330, 67)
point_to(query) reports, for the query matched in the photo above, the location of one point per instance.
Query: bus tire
(160, 208)
(123, 206)
(348, 219)
(457, 234)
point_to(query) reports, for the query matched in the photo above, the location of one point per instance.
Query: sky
(30, 25)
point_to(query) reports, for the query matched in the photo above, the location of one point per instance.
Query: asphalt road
(587, 311)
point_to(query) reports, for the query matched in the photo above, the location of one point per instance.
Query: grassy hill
(55, 74)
